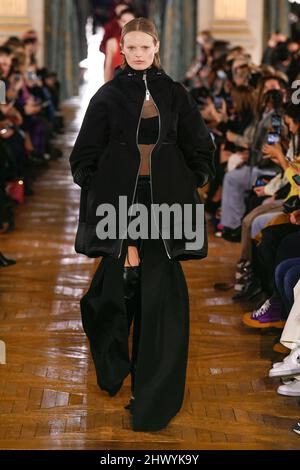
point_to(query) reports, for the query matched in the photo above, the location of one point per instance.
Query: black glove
(83, 177)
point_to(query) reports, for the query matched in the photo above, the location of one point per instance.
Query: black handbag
(291, 205)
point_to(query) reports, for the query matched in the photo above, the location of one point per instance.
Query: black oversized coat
(181, 161)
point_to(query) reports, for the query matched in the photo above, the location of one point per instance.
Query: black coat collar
(152, 73)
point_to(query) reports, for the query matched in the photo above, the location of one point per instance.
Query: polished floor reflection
(49, 398)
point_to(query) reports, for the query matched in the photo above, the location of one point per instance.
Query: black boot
(9, 217)
(250, 284)
(135, 340)
(131, 278)
(130, 405)
(232, 235)
(4, 262)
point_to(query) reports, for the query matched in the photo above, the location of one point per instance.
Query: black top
(148, 130)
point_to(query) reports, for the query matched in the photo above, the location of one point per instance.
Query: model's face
(139, 49)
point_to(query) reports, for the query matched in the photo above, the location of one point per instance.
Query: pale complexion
(139, 50)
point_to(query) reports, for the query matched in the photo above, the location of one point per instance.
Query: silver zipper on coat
(136, 137)
(148, 94)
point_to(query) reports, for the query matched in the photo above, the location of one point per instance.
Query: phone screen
(273, 138)
(261, 181)
(218, 102)
(31, 76)
(296, 178)
(221, 74)
(276, 121)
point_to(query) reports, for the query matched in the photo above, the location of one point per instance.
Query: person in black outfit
(142, 137)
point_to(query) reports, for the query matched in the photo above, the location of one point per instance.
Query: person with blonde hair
(142, 138)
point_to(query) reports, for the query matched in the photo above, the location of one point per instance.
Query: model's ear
(157, 47)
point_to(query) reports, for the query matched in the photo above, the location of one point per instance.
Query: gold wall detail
(18, 16)
(230, 9)
(13, 8)
(238, 21)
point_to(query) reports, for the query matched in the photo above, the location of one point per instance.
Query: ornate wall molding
(238, 21)
(230, 9)
(17, 16)
(13, 8)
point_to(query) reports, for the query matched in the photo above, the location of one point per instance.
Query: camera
(275, 97)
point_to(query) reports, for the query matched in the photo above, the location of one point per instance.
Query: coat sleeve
(194, 138)
(91, 140)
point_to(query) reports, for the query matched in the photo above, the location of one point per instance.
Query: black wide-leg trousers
(160, 330)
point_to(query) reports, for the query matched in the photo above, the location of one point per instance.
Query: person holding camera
(269, 250)
(238, 183)
(273, 195)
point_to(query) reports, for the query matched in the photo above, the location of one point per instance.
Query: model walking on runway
(142, 138)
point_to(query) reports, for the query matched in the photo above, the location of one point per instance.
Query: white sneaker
(291, 390)
(289, 366)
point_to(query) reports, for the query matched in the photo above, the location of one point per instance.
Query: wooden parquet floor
(49, 398)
